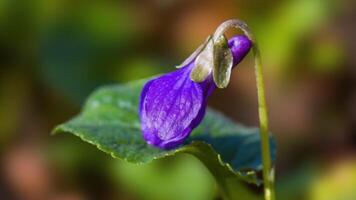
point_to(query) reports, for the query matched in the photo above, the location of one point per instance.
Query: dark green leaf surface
(109, 120)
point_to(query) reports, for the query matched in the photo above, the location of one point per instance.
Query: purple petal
(239, 45)
(171, 106)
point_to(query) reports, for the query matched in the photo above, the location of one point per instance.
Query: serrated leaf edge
(249, 177)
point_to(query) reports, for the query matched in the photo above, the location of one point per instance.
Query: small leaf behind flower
(203, 63)
(223, 62)
(109, 120)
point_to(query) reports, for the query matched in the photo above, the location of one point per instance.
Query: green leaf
(109, 120)
(204, 62)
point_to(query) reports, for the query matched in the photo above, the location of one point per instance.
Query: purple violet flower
(172, 105)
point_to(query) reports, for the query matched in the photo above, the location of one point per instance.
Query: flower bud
(172, 105)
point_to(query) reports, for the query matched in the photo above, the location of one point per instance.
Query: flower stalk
(268, 172)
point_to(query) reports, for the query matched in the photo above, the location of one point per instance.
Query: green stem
(268, 173)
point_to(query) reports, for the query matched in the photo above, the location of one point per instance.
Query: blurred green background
(53, 53)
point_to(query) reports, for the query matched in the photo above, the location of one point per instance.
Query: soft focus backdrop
(53, 53)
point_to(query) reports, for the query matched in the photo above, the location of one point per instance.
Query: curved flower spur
(172, 105)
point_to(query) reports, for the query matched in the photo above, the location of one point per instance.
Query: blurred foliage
(183, 177)
(337, 183)
(12, 102)
(53, 53)
(79, 51)
(287, 26)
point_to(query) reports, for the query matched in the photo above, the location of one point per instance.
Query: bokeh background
(53, 53)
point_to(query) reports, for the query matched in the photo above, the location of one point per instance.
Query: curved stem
(268, 173)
